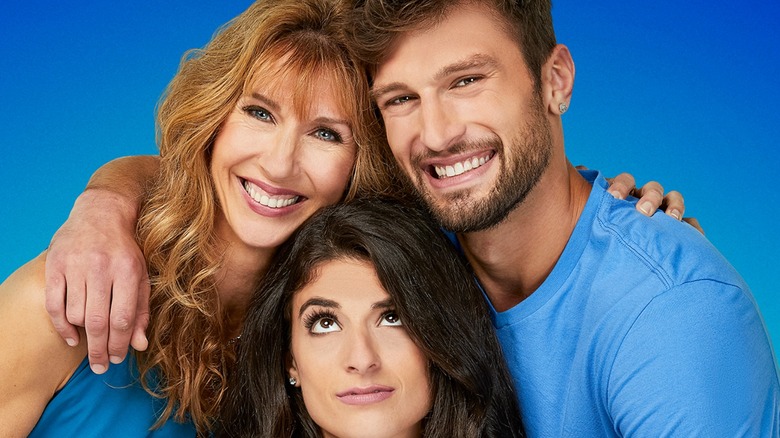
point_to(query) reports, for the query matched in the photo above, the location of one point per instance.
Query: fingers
(122, 321)
(674, 205)
(622, 185)
(96, 321)
(55, 304)
(138, 340)
(651, 195)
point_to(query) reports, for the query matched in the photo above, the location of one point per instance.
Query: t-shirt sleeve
(696, 362)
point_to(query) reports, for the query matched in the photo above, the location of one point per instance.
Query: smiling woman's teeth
(458, 168)
(269, 201)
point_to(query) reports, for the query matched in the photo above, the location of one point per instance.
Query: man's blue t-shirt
(641, 329)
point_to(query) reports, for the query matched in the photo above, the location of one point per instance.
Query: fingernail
(98, 368)
(72, 342)
(115, 359)
(675, 214)
(646, 207)
(615, 194)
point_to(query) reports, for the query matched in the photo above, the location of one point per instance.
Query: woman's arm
(35, 362)
(95, 273)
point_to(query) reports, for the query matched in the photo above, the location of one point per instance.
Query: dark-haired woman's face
(359, 371)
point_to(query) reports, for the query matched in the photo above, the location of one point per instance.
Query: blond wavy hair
(189, 354)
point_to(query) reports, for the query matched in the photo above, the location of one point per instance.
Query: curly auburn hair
(189, 356)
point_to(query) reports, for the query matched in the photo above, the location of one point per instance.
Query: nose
(361, 354)
(439, 125)
(279, 158)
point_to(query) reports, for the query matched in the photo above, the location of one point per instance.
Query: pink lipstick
(365, 396)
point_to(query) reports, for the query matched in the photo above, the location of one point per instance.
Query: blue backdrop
(681, 92)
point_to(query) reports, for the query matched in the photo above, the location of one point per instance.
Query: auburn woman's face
(359, 372)
(273, 168)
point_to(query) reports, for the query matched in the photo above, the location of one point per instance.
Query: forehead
(349, 282)
(309, 89)
(466, 31)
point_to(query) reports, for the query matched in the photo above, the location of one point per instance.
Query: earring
(562, 107)
(292, 381)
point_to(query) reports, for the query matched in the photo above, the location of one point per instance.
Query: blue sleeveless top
(111, 404)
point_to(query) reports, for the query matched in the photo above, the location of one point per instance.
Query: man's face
(463, 118)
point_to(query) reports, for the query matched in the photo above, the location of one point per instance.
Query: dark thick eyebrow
(375, 93)
(478, 60)
(384, 304)
(317, 301)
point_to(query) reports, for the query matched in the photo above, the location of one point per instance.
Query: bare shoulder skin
(35, 361)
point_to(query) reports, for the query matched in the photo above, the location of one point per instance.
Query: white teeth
(461, 167)
(268, 201)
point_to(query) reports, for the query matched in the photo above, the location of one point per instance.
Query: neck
(514, 258)
(237, 279)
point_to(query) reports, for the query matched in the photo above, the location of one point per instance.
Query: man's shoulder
(673, 250)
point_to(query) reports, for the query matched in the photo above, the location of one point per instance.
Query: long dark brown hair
(433, 293)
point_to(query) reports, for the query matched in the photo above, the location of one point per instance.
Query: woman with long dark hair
(323, 353)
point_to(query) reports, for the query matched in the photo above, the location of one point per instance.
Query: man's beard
(529, 157)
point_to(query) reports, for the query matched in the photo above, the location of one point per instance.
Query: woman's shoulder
(35, 362)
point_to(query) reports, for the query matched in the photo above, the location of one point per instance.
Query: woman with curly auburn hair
(357, 332)
(260, 129)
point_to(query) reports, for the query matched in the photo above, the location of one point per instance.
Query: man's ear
(558, 80)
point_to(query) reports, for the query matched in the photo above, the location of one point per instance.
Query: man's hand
(96, 277)
(651, 198)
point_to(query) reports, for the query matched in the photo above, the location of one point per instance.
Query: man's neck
(514, 258)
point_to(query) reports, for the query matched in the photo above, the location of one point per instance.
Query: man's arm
(697, 362)
(96, 276)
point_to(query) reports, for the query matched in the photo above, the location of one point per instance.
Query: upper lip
(452, 159)
(365, 390)
(429, 165)
(271, 190)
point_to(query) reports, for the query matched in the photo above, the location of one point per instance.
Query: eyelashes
(325, 321)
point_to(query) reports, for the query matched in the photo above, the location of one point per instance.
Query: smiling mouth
(461, 167)
(276, 201)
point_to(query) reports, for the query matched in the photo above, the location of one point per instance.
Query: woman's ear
(292, 372)
(558, 80)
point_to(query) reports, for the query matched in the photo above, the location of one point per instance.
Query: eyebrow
(384, 304)
(475, 61)
(270, 103)
(478, 60)
(332, 121)
(323, 302)
(317, 301)
(274, 106)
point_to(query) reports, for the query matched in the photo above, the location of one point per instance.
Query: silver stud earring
(562, 107)
(293, 381)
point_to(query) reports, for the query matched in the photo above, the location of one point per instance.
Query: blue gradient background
(681, 92)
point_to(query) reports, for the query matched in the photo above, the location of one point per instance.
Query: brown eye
(325, 325)
(391, 319)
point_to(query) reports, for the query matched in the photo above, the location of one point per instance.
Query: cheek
(331, 172)
(398, 137)
(414, 365)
